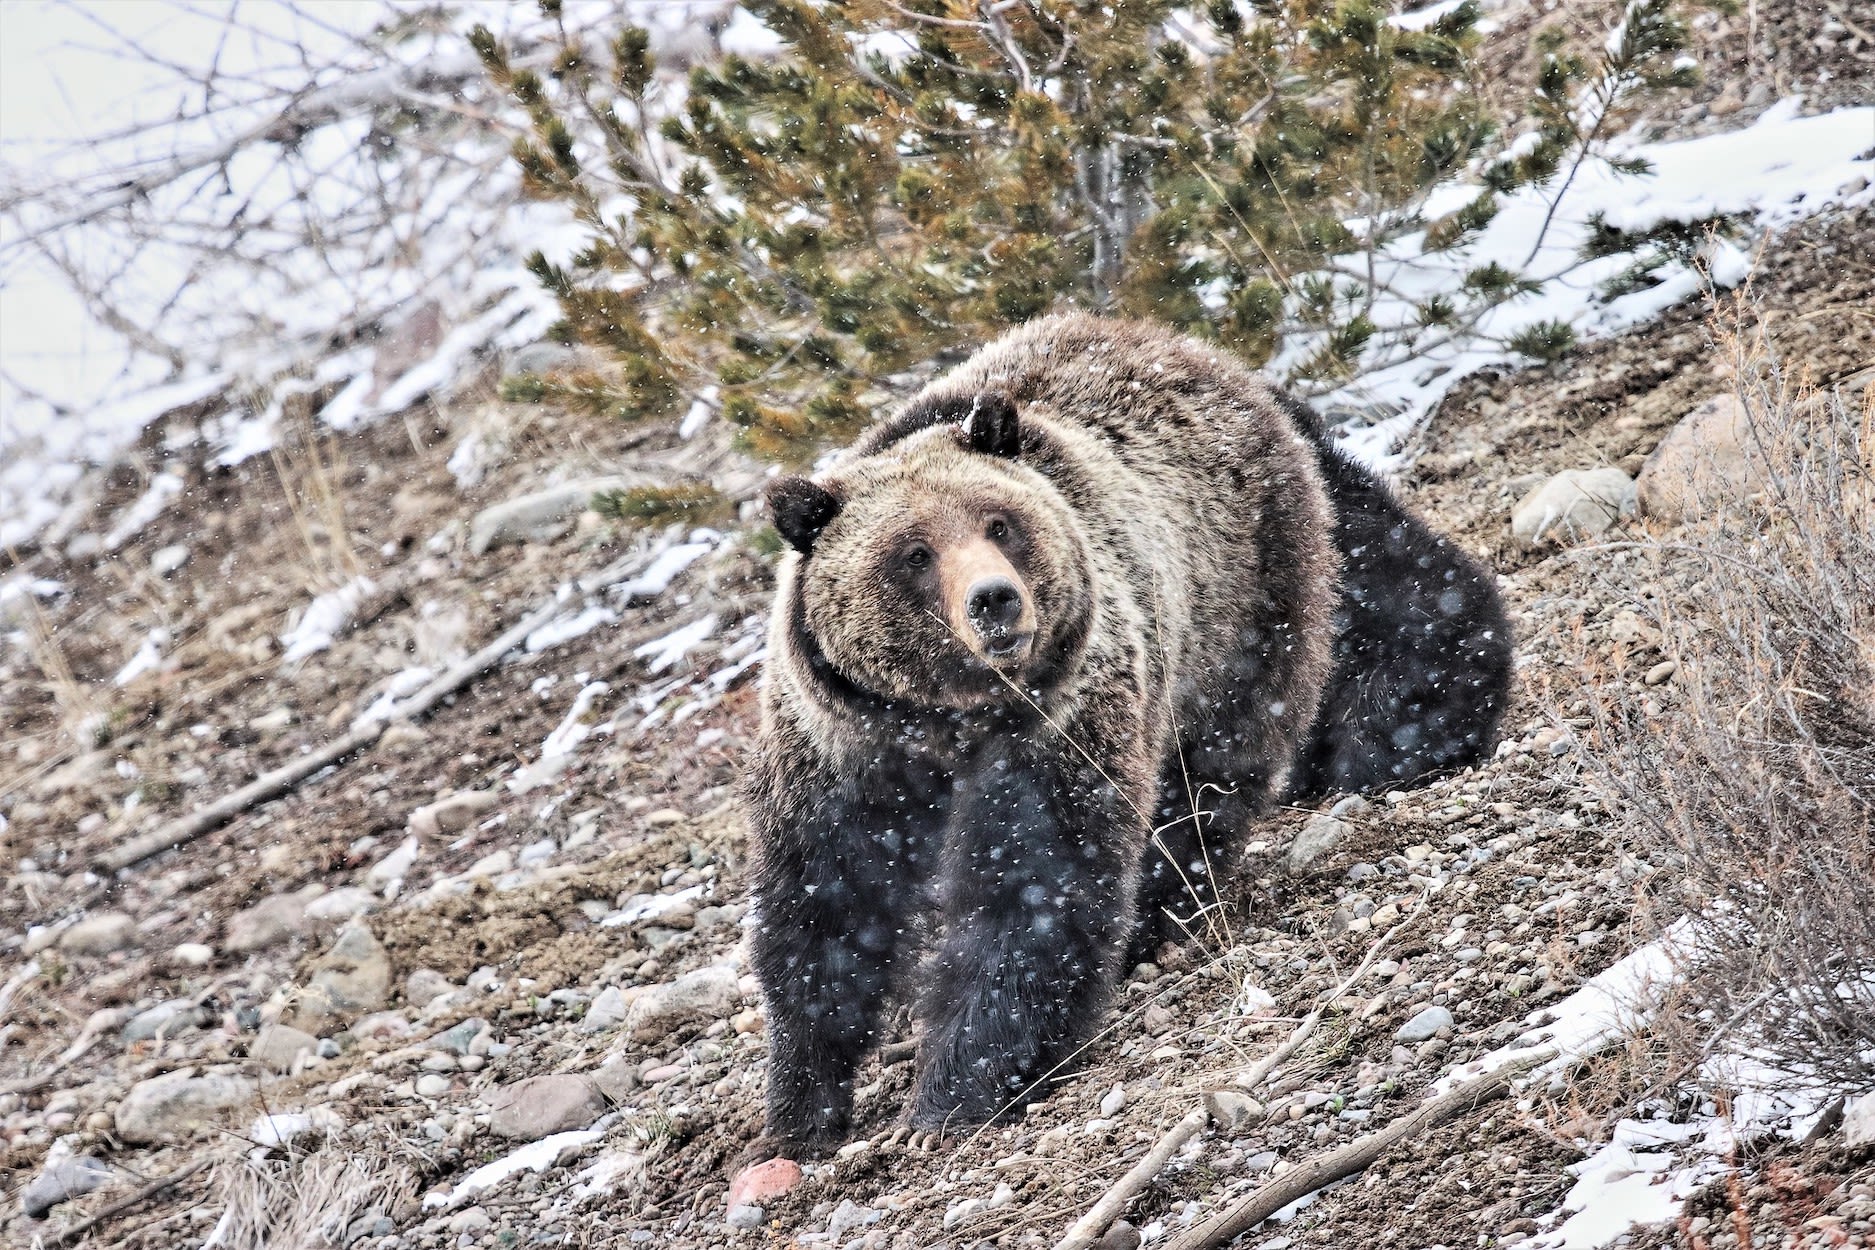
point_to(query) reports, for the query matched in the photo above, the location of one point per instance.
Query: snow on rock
(325, 618)
(661, 653)
(534, 1157)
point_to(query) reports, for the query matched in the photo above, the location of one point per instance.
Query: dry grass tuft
(304, 1201)
(1754, 784)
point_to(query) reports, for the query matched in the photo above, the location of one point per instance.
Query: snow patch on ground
(565, 629)
(657, 578)
(325, 618)
(662, 653)
(536, 1156)
(143, 510)
(404, 684)
(44, 452)
(1650, 1165)
(1781, 168)
(1616, 1002)
(557, 750)
(148, 656)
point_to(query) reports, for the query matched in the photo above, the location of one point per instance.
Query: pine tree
(907, 179)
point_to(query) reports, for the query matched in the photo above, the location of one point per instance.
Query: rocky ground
(481, 984)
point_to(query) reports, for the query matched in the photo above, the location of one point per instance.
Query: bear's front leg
(839, 890)
(1038, 877)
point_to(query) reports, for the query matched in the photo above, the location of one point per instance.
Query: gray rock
(177, 1105)
(1574, 504)
(1423, 1025)
(67, 1178)
(192, 955)
(279, 1045)
(1354, 806)
(271, 921)
(1704, 462)
(178, 1015)
(1123, 1236)
(540, 1105)
(450, 814)
(425, 984)
(101, 934)
(745, 1217)
(608, 1010)
(542, 515)
(1318, 838)
(351, 978)
(540, 358)
(848, 1216)
(335, 907)
(1233, 1112)
(703, 996)
(459, 1039)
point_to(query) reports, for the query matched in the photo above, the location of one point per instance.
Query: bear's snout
(989, 608)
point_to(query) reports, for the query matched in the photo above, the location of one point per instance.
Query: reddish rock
(764, 1182)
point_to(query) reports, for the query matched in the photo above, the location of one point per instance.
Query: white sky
(72, 73)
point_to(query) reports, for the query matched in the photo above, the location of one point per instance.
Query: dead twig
(1085, 1233)
(1357, 1155)
(1259, 1072)
(78, 1230)
(280, 780)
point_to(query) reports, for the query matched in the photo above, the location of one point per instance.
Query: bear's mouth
(1007, 650)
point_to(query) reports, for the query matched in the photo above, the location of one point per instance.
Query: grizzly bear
(1046, 642)
(1422, 652)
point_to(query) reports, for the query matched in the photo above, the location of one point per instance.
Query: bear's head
(940, 570)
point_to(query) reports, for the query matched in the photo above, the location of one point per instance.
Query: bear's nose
(994, 605)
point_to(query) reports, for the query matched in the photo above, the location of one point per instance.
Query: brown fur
(1169, 534)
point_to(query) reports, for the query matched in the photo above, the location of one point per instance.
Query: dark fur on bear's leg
(1423, 654)
(1037, 901)
(834, 896)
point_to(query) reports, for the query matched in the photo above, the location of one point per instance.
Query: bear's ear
(802, 509)
(990, 426)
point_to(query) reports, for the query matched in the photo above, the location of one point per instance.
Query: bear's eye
(998, 529)
(917, 557)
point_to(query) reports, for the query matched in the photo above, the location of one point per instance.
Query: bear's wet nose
(995, 605)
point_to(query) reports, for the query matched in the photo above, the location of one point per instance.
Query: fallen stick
(95, 1027)
(1087, 1230)
(1259, 1072)
(1357, 1155)
(15, 984)
(128, 1201)
(280, 780)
